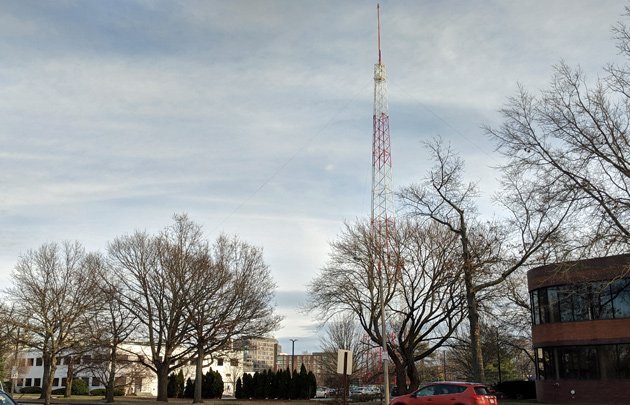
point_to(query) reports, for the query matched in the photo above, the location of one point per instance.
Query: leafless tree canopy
(573, 139)
(421, 293)
(489, 251)
(188, 298)
(55, 293)
(233, 299)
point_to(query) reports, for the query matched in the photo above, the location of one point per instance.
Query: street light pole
(292, 354)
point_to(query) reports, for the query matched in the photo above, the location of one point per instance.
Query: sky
(255, 117)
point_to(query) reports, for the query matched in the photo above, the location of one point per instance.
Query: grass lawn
(91, 400)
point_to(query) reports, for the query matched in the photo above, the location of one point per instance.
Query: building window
(20, 382)
(55, 382)
(620, 290)
(30, 361)
(96, 382)
(64, 382)
(28, 382)
(623, 359)
(220, 361)
(37, 382)
(581, 302)
(38, 361)
(234, 362)
(602, 362)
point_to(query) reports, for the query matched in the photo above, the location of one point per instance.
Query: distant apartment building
(581, 330)
(259, 353)
(312, 362)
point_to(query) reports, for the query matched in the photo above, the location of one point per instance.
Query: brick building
(581, 330)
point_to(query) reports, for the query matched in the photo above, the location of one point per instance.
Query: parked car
(5, 399)
(322, 392)
(448, 393)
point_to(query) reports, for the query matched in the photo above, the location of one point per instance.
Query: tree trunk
(475, 334)
(49, 372)
(162, 376)
(111, 379)
(412, 376)
(199, 375)
(69, 377)
(472, 305)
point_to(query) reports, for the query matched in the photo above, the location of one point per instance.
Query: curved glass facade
(596, 362)
(581, 302)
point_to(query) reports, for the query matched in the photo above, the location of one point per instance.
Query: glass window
(623, 360)
(28, 382)
(565, 296)
(620, 290)
(30, 361)
(64, 382)
(607, 356)
(55, 382)
(481, 391)
(426, 391)
(549, 362)
(578, 363)
(38, 361)
(554, 310)
(37, 382)
(234, 362)
(96, 381)
(6, 400)
(602, 300)
(581, 302)
(220, 361)
(543, 302)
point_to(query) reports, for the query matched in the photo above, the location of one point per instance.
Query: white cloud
(253, 117)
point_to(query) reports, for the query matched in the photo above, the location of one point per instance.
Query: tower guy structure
(382, 221)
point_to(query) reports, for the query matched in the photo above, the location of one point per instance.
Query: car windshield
(6, 400)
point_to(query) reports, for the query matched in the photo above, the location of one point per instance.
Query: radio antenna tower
(382, 221)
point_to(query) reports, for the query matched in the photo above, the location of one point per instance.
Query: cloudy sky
(254, 117)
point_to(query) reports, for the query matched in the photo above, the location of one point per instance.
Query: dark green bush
(118, 392)
(517, 389)
(59, 391)
(31, 390)
(79, 387)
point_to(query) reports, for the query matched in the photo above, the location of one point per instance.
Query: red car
(448, 393)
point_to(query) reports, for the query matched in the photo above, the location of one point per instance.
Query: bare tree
(55, 291)
(233, 298)
(8, 341)
(112, 326)
(574, 136)
(492, 250)
(421, 293)
(343, 332)
(154, 272)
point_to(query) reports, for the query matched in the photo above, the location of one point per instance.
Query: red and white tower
(382, 199)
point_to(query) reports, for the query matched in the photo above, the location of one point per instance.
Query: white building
(248, 355)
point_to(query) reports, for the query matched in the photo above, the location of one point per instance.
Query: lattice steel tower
(382, 221)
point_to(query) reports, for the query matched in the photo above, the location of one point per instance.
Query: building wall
(312, 362)
(576, 335)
